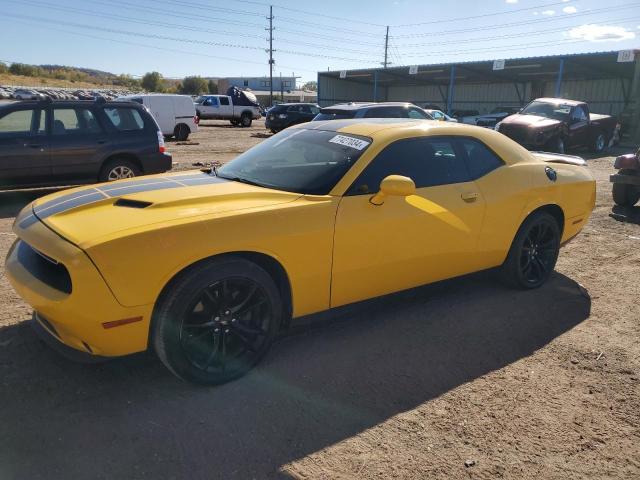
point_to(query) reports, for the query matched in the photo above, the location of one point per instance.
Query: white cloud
(600, 33)
(511, 1)
(566, 1)
(548, 12)
(569, 9)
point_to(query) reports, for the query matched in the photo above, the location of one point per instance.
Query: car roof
(364, 105)
(564, 101)
(65, 102)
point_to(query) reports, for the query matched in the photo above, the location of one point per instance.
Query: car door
(578, 127)
(226, 109)
(306, 114)
(78, 142)
(407, 241)
(24, 148)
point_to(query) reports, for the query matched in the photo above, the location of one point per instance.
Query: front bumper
(275, 123)
(79, 314)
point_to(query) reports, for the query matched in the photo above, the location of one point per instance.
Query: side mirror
(394, 185)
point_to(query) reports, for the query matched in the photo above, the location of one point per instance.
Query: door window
(305, 109)
(427, 161)
(74, 121)
(414, 113)
(16, 123)
(211, 102)
(125, 119)
(579, 114)
(315, 110)
(480, 160)
(224, 101)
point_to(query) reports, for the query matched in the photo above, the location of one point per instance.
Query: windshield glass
(298, 160)
(557, 111)
(200, 99)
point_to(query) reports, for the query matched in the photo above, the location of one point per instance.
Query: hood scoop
(129, 203)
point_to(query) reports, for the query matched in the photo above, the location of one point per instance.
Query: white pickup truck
(221, 107)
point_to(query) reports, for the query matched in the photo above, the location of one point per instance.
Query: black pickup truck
(557, 125)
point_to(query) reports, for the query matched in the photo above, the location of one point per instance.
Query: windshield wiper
(242, 180)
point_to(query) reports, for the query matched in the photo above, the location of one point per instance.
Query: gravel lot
(464, 379)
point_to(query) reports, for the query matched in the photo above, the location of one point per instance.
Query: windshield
(335, 115)
(199, 100)
(298, 160)
(557, 111)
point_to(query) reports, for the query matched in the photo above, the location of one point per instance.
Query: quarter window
(224, 101)
(480, 160)
(16, 123)
(125, 119)
(427, 161)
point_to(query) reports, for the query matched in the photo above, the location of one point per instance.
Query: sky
(230, 38)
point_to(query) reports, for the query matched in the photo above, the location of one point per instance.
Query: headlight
(282, 115)
(497, 127)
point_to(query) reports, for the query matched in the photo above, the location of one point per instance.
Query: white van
(175, 114)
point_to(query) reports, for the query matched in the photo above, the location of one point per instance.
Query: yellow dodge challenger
(207, 267)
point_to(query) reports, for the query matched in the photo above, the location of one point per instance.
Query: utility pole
(271, 61)
(386, 48)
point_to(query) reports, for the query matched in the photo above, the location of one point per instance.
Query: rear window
(335, 114)
(125, 119)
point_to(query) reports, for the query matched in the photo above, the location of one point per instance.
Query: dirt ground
(464, 379)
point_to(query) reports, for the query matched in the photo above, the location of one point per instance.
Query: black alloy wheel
(534, 252)
(216, 320)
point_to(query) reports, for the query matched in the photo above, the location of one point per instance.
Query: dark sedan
(286, 114)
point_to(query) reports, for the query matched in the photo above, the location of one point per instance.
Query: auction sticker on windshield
(350, 142)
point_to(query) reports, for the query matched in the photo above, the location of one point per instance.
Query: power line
(515, 24)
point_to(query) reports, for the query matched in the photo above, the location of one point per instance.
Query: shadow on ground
(12, 201)
(329, 380)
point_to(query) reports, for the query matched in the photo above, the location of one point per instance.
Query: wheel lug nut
(216, 319)
(233, 320)
(226, 330)
(216, 330)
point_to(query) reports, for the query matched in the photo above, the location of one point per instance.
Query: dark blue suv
(47, 142)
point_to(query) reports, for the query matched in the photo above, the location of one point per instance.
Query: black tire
(600, 143)
(556, 145)
(181, 132)
(533, 253)
(274, 131)
(625, 195)
(235, 123)
(246, 120)
(118, 169)
(224, 305)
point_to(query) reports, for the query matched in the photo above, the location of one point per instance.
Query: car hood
(90, 215)
(529, 121)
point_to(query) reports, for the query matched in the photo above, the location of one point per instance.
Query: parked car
(287, 114)
(440, 115)
(462, 115)
(626, 183)
(221, 107)
(320, 215)
(372, 110)
(496, 115)
(175, 114)
(25, 94)
(75, 141)
(556, 125)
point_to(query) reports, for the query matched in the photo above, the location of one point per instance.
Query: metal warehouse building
(609, 81)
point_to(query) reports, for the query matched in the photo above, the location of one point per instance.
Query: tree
(194, 86)
(213, 86)
(152, 82)
(311, 85)
(3, 68)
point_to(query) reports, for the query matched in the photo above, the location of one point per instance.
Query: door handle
(470, 196)
(101, 142)
(32, 145)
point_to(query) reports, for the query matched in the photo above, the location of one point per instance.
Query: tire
(599, 143)
(246, 120)
(625, 195)
(235, 123)
(195, 326)
(533, 253)
(556, 145)
(274, 131)
(117, 169)
(181, 132)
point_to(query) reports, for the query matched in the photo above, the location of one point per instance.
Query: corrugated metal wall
(334, 90)
(603, 96)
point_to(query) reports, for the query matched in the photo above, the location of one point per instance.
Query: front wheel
(599, 143)
(556, 145)
(625, 195)
(217, 320)
(533, 253)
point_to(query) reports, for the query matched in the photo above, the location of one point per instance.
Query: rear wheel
(533, 253)
(217, 320)
(181, 132)
(246, 120)
(118, 169)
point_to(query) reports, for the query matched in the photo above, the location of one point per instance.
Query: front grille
(44, 268)
(518, 134)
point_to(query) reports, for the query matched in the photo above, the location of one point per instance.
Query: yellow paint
(335, 249)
